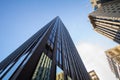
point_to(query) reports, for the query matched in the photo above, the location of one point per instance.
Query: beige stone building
(106, 20)
(113, 57)
(93, 75)
(116, 61)
(60, 76)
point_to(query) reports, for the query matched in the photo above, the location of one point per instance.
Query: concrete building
(93, 75)
(60, 76)
(116, 61)
(106, 20)
(38, 58)
(113, 57)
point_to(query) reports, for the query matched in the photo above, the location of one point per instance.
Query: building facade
(93, 75)
(113, 57)
(106, 20)
(44, 55)
(116, 61)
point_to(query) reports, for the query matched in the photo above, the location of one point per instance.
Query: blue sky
(20, 19)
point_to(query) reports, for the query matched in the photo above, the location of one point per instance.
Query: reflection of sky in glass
(58, 70)
(5, 69)
(8, 75)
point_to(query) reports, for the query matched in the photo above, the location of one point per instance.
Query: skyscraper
(113, 57)
(106, 20)
(43, 56)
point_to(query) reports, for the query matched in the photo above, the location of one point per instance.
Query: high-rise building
(106, 20)
(43, 56)
(93, 75)
(113, 57)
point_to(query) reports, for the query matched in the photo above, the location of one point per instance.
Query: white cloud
(94, 58)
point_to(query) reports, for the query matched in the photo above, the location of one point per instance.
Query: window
(57, 55)
(48, 42)
(92, 2)
(98, 2)
(95, 7)
(59, 73)
(60, 59)
(43, 68)
(4, 71)
(60, 47)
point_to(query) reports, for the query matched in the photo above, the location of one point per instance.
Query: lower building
(113, 57)
(93, 75)
(116, 61)
(60, 76)
(106, 20)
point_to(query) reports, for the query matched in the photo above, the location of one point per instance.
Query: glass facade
(49, 54)
(42, 71)
(14, 67)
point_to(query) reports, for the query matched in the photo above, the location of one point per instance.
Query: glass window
(95, 7)
(4, 71)
(42, 71)
(50, 36)
(60, 59)
(92, 2)
(52, 46)
(25, 61)
(60, 47)
(48, 42)
(98, 2)
(53, 38)
(59, 74)
(58, 44)
(57, 58)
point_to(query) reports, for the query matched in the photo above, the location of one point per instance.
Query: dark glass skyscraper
(49, 54)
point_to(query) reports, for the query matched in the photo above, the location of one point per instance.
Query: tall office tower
(44, 56)
(113, 57)
(93, 75)
(106, 20)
